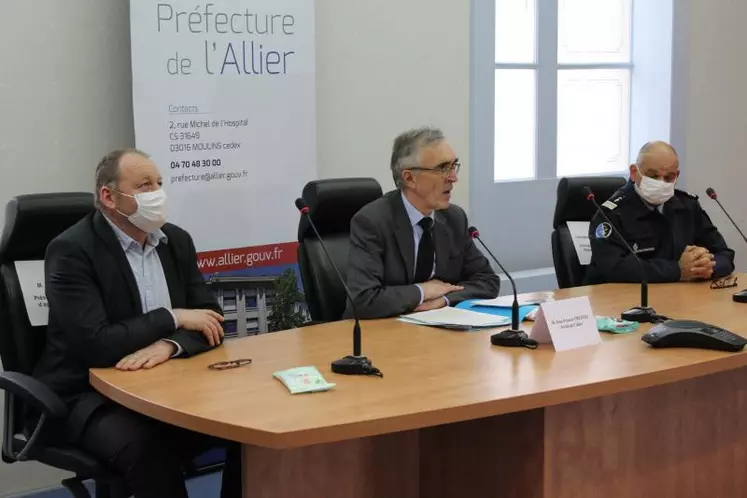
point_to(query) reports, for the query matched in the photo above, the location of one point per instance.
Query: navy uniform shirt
(658, 235)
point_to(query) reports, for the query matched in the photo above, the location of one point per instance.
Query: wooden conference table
(456, 417)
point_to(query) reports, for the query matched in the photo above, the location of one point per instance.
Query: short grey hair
(107, 171)
(407, 147)
(650, 146)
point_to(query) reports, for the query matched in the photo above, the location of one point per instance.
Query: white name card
(567, 324)
(31, 277)
(580, 236)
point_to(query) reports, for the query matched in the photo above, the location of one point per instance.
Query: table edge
(413, 421)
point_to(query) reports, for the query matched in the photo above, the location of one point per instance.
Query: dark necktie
(424, 264)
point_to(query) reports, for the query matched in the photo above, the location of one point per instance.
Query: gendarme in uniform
(658, 234)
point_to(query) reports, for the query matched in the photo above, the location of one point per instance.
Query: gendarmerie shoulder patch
(603, 230)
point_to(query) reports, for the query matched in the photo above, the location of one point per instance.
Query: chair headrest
(333, 203)
(33, 220)
(572, 205)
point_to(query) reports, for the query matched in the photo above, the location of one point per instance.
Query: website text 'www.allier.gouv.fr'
(246, 259)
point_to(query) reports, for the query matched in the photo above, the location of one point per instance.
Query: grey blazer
(381, 262)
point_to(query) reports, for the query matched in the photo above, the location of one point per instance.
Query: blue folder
(497, 310)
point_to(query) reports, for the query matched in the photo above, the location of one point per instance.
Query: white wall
(716, 122)
(64, 92)
(385, 66)
(65, 97)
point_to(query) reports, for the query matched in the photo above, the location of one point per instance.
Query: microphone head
(711, 193)
(301, 205)
(588, 193)
(473, 232)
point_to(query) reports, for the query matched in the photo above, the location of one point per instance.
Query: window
(563, 72)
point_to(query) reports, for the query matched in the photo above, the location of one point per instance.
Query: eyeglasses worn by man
(410, 250)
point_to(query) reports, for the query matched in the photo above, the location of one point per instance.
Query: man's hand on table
(148, 357)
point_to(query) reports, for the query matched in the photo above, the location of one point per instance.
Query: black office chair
(332, 204)
(572, 205)
(31, 222)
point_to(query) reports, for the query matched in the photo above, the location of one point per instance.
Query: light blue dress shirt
(148, 272)
(417, 233)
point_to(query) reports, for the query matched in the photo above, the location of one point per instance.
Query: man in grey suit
(410, 250)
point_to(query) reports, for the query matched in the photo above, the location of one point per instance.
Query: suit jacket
(381, 263)
(95, 313)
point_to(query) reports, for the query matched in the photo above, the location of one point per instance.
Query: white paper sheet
(455, 318)
(31, 277)
(580, 236)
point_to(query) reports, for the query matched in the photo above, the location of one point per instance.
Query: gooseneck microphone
(642, 313)
(741, 296)
(349, 365)
(514, 336)
(713, 195)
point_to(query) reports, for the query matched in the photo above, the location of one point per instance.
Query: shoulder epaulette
(613, 202)
(687, 194)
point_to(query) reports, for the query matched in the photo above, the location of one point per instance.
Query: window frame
(546, 69)
(516, 216)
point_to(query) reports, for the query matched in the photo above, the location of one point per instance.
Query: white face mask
(654, 191)
(151, 210)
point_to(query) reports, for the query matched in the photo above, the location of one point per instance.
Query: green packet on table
(303, 380)
(614, 325)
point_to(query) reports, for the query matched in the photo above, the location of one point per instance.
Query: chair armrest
(34, 393)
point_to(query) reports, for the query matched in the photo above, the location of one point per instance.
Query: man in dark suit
(124, 291)
(410, 250)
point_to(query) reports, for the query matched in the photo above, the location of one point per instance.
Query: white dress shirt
(148, 272)
(417, 233)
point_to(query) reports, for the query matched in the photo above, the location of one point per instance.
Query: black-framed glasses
(227, 365)
(724, 283)
(445, 169)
